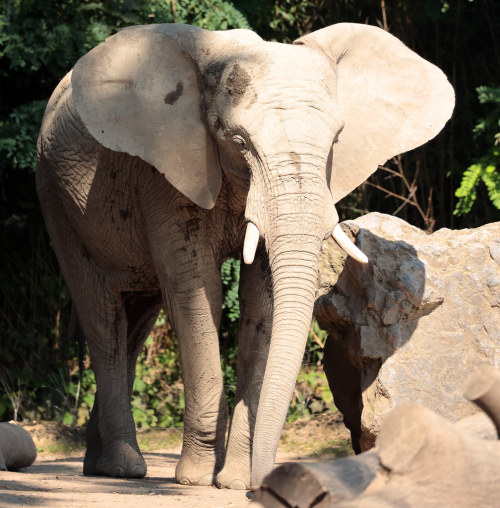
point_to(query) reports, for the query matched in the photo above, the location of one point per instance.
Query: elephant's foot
(118, 459)
(234, 475)
(196, 470)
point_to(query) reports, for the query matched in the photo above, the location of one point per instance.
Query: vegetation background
(453, 181)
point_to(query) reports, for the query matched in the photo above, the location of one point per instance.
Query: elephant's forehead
(274, 73)
(269, 63)
(270, 60)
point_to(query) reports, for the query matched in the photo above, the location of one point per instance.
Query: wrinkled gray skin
(17, 449)
(156, 152)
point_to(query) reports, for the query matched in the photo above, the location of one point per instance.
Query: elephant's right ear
(139, 93)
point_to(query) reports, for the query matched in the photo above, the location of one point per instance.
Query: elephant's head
(302, 125)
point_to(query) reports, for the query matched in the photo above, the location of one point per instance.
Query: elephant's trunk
(296, 229)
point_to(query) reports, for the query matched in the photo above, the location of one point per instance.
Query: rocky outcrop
(413, 323)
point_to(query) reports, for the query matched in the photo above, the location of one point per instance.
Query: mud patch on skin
(214, 74)
(125, 214)
(192, 228)
(237, 82)
(173, 97)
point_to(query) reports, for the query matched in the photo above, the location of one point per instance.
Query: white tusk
(250, 246)
(344, 241)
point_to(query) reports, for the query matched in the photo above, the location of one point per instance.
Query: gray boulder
(17, 449)
(411, 325)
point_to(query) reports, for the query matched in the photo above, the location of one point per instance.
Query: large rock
(413, 323)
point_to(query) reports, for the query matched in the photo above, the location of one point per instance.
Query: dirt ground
(56, 479)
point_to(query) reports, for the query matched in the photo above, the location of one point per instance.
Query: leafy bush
(486, 168)
(158, 396)
(230, 273)
(210, 14)
(312, 394)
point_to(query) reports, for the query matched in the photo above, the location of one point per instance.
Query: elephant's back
(66, 150)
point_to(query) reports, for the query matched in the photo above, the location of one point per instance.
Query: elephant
(168, 149)
(17, 449)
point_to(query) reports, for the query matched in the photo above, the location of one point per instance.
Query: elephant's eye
(240, 141)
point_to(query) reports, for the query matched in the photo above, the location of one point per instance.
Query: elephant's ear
(139, 93)
(392, 99)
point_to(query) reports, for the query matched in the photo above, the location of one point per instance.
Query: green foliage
(290, 17)
(281, 21)
(312, 394)
(87, 396)
(486, 168)
(229, 357)
(210, 14)
(158, 396)
(67, 396)
(482, 171)
(230, 274)
(18, 135)
(315, 342)
(12, 398)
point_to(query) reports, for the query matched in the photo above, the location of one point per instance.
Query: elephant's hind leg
(112, 448)
(141, 311)
(111, 443)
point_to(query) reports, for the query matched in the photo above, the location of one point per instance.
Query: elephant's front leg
(255, 296)
(194, 301)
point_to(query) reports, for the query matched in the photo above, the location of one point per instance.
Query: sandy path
(59, 482)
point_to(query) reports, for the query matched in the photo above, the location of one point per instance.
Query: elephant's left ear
(392, 99)
(140, 93)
